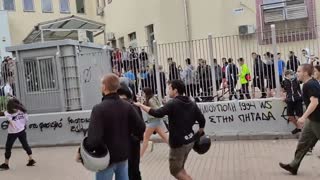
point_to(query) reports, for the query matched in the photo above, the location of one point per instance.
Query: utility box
(61, 75)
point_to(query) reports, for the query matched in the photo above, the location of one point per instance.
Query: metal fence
(213, 69)
(218, 68)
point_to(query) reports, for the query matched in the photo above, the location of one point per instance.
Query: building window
(132, 39)
(150, 36)
(294, 20)
(80, 6)
(47, 6)
(64, 6)
(8, 5)
(28, 5)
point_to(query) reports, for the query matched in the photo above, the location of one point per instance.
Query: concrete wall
(218, 17)
(236, 118)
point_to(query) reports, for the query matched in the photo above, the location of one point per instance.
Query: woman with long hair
(153, 124)
(17, 117)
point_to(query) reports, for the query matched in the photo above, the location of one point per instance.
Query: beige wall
(21, 23)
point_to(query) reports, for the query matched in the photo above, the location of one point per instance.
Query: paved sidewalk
(227, 160)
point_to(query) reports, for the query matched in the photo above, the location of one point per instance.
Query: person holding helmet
(182, 114)
(112, 123)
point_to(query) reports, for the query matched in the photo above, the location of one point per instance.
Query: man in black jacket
(259, 71)
(134, 153)
(112, 123)
(182, 114)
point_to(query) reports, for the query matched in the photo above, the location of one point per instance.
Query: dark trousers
(22, 136)
(245, 91)
(134, 160)
(231, 85)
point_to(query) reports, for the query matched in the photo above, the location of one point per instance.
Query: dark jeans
(245, 91)
(134, 160)
(22, 136)
(231, 85)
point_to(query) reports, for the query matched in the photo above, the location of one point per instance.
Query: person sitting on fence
(293, 97)
(245, 78)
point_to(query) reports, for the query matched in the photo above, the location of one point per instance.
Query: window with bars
(40, 74)
(293, 19)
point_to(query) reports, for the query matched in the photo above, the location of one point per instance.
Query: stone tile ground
(227, 160)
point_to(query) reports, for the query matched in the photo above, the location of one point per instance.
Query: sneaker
(295, 131)
(31, 162)
(287, 167)
(4, 166)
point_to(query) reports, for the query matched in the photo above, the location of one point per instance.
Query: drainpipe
(187, 27)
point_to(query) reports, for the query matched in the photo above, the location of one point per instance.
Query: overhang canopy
(64, 28)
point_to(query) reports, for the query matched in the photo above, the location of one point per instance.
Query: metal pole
(276, 65)
(42, 36)
(213, 73)
(156, 62)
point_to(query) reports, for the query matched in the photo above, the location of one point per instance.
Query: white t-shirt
(19, 120)
(8, 90)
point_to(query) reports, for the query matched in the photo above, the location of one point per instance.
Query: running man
(182, 114)
(310, 119)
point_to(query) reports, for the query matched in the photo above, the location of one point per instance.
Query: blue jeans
(119, 169)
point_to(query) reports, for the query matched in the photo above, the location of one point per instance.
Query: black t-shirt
(312, 89)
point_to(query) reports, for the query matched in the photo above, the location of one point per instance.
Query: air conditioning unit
(246, 29)
(110, 36)
(100, 11)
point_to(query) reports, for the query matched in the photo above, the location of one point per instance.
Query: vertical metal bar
(60, 79)
(276, 65)
(155, 52)
(212, 67)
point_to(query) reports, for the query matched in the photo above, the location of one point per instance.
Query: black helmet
(202, 145)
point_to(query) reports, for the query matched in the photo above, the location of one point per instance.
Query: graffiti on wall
(76, 125)
(240, 111)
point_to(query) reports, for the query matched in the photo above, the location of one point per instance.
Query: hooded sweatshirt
(182, 114)
(292, 89)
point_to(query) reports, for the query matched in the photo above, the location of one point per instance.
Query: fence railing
(214, 68)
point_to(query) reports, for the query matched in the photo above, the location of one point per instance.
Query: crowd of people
(230, 77)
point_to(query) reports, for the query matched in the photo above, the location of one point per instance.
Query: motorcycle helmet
(202, 145)
(96, 160)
